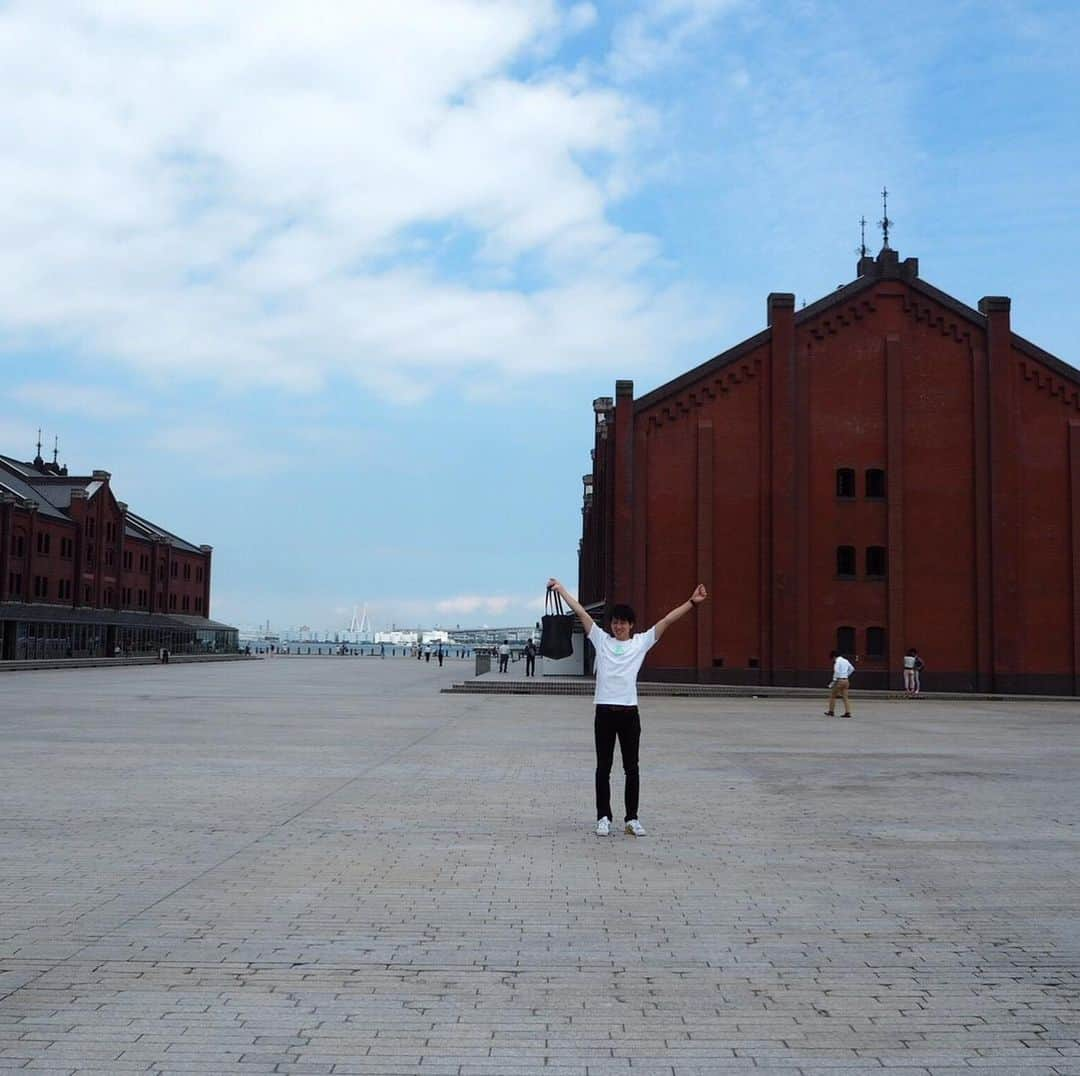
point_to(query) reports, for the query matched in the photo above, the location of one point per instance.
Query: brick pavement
(325, 866)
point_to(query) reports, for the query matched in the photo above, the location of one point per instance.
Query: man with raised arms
(619, 657)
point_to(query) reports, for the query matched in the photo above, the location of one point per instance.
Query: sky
(331, 287)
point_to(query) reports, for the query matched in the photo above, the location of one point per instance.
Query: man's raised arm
(586, 620)
(680, 611)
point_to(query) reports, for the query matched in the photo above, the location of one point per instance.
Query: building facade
(83, 576)
(886, 468)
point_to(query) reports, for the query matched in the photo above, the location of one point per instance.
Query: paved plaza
(323, 865)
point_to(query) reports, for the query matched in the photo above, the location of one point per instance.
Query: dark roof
(885, 267)
(14, 485)
(143, 528)
(65, 614)
(52, 493)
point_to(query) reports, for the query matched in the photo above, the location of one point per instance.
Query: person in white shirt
(619, 657)
(838, 688)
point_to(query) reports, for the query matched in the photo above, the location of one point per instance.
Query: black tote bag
(556, 628)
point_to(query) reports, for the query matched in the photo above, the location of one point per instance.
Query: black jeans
(530, 665)
(622, 722)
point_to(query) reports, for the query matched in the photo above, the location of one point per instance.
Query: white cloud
(87, 401)
(658, 30)
(204, 194)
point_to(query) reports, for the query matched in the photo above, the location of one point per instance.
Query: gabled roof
(52, 493)
(142, 528)
(886, 266)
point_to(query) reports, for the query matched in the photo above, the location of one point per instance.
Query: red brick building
(885, 468)
(81, 575)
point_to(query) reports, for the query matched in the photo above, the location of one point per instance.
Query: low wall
(96, 663)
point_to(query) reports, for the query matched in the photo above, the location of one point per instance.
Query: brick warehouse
(882, 469)
(83, 576)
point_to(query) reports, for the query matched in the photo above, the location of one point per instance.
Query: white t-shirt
(618, 664)
(842, 668)
(909, 661)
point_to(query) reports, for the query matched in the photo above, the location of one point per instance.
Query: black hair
(623, 612)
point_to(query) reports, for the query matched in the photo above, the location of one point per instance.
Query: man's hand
(699, 595)
(554, 584)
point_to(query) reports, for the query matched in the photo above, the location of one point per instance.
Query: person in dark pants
(530, 658)
(504, 655)
(619, 657)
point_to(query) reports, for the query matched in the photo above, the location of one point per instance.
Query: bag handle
(553, 598)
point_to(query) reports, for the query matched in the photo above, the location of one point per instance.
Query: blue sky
(332, 288)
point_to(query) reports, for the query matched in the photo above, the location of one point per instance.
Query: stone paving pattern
(324, 866)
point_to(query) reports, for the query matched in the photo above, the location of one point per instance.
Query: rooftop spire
(884, 224)
(38, 461)
(862, 237)
(56, 450)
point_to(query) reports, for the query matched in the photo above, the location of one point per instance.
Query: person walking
(439, 654)
(838, 687)
(530, 658)
(619, 657)
(504, 655)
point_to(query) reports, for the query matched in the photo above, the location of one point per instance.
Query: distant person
(427, 654)
(439, 655)
(838, 686)
(530, 658)
(619, 657)
(504, 655)
(913, 667)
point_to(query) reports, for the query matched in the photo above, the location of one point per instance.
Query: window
(108, 596)
(129, 559)
(17, 547)
(875, 642)
(187, 571)
(845, 482)
(186, 604)
(845, 640)
(15, 583)
(198, 605)
(875, 483)
(876, 562)
(173, 568)
(63, 589)
(44, 541)
(161, 601)
(90, 527)
(198, 573)
(845, 561)
(41, 586)
(87, 595)
(161, 571)
(67, 548)
(90, 554)
(108, 556)
(172, 601)
(144, 562)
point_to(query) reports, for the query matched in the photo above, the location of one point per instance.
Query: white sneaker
(635, 828)
(603, 827)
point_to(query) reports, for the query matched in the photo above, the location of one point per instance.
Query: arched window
(845, 561)
(875, 642)
(845, 640)
(845, 482)
(875, 483)
(876, 562)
